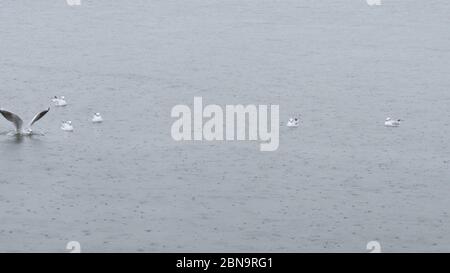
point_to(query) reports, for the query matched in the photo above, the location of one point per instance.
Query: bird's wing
(39, 116)
(13, 118)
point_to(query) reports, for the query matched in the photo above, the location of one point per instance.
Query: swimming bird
(73, 2)
(67, 126)
(17, 121)
(61, 101)
(293, 122)
(392, 122)
(374, 2)
(97, 118)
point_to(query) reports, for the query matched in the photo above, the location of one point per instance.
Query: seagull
(59, 101)
(17, 121)
(97, 118)
(392, 122)
(73, 2)
(374, 2)
(67, 126)
(293, 122)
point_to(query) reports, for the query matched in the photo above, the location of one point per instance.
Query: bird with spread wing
(18, 123)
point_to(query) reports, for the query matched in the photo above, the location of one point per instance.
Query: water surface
(335, 183)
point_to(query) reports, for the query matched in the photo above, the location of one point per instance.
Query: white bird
(17, 121)
(374, 2)
(67, 126)
(392, 122)
(59, 101)
(73, 2)
(97, 118)
(293, 122)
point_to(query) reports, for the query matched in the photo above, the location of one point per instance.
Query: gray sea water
(338, 181)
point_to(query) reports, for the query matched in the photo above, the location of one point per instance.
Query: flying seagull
(17, 121)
